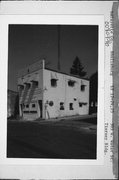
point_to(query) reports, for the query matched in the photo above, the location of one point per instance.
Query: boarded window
(71, 106)
(53, 82)
(61, 105)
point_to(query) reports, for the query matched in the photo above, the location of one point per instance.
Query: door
(40, 108)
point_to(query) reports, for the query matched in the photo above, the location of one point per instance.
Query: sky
(30, 43)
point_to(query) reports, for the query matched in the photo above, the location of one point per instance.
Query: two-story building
(45, 93)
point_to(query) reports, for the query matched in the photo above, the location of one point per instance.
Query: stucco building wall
(45, 93)
(63, 93)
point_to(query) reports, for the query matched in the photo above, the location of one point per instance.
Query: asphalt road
(73, 139)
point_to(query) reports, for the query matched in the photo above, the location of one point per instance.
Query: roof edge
(66, 74)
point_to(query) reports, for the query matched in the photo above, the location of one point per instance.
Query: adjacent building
(11, 103)
(45, 93)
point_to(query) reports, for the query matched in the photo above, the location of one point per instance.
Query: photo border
(53, 19)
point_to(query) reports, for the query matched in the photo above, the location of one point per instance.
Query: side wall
(63, 93)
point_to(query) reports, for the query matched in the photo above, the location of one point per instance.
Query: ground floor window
(80, 104)
(61, 105)
(71, 106)
(26, 111)
(33, 105)
(27, 105)
(33, 111)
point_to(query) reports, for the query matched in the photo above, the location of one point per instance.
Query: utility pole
(58, 65)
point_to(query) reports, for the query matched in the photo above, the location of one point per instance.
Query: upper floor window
(34, 83)
(53, 82)
(71, 83)
(21, 87)
(28, 85)
(83, 87)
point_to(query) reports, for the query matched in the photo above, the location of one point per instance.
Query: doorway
(40, 108)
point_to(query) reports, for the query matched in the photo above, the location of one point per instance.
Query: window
(21, 87)
(82, 87)
(33, 105)
(33, 111)
(53, 82)
(28, 86)
(51, 103)
(61, 105)
(71, 83)
(80, 104)
(85, 103)
(26, 111)
(71, 106)
(27, 105)
(36, 84)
